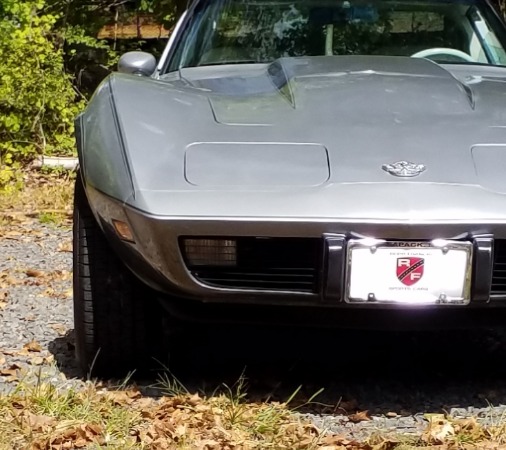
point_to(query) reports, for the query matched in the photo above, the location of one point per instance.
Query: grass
(42, 417)
(44, 196)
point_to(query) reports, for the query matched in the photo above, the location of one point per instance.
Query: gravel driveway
(36, 308)
(396, 377)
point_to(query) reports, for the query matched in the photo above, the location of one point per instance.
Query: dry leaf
(59, 328)
(37, 361)
(438, 431)
(123, 397)
(33, 346)
(65, 246)
(335, 440)
(11, 373)
(38, 423)
(34, 273)
(69, 435)
(361, 416)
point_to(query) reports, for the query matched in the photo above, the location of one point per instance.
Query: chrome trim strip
(482, 268)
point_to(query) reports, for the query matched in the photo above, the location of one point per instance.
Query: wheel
(116, 318)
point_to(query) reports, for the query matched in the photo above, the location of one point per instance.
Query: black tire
(116, 318)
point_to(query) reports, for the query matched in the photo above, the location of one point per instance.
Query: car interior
(447, 32)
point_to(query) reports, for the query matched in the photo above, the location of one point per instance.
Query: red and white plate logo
(410, 270)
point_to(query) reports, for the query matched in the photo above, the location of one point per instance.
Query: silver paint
(170, 154)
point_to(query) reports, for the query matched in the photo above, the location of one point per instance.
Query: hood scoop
(340, 86)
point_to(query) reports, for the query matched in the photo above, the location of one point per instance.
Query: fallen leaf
(69, 435)
(7, 280)
(33, 346)
(438, 431)
(361, 416)
(37, 361)
(38, 423)
(59, 328)
(33, 273)
(12, 234)
(65, 247)
(335, 440)
(384, 442)
(123, 397)
(11, 373)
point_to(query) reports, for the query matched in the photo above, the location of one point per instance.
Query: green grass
(46, 197)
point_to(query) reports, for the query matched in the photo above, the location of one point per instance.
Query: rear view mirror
(341, 15)
(137, 63)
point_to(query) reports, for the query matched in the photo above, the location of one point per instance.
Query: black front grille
(499, 269)
(278, 264)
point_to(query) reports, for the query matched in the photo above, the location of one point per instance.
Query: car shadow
(382, 372)
(62, 348)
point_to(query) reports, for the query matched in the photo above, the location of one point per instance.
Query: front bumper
(156, 256)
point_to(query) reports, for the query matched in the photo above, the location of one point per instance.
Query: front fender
(100, 145)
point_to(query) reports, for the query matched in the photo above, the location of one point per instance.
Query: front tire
(116, 320)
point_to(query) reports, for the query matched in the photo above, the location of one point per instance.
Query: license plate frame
(390, 272)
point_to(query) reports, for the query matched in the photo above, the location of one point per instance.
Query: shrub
(37, 101)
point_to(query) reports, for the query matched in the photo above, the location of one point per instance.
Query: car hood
(315, 124)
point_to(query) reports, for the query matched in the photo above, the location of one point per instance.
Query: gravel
(35, 273)
(398, 378)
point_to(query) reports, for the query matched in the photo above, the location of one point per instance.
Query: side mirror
(137, 63)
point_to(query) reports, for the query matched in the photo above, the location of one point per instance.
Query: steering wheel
(427, 53)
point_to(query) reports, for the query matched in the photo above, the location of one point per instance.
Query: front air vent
(274, 264)
(498, 289)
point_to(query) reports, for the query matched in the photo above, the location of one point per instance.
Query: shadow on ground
(62, 348)
(402, 372)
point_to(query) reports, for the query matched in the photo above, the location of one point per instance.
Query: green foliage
(45, 46)
(166, 11)
(37, 101)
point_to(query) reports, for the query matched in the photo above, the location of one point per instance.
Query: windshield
(260, 31)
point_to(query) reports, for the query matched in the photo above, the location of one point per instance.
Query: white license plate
(436, 272)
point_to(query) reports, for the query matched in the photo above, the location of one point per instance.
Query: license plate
(405, 272)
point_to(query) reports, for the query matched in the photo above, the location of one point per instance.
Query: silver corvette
(297, 161)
